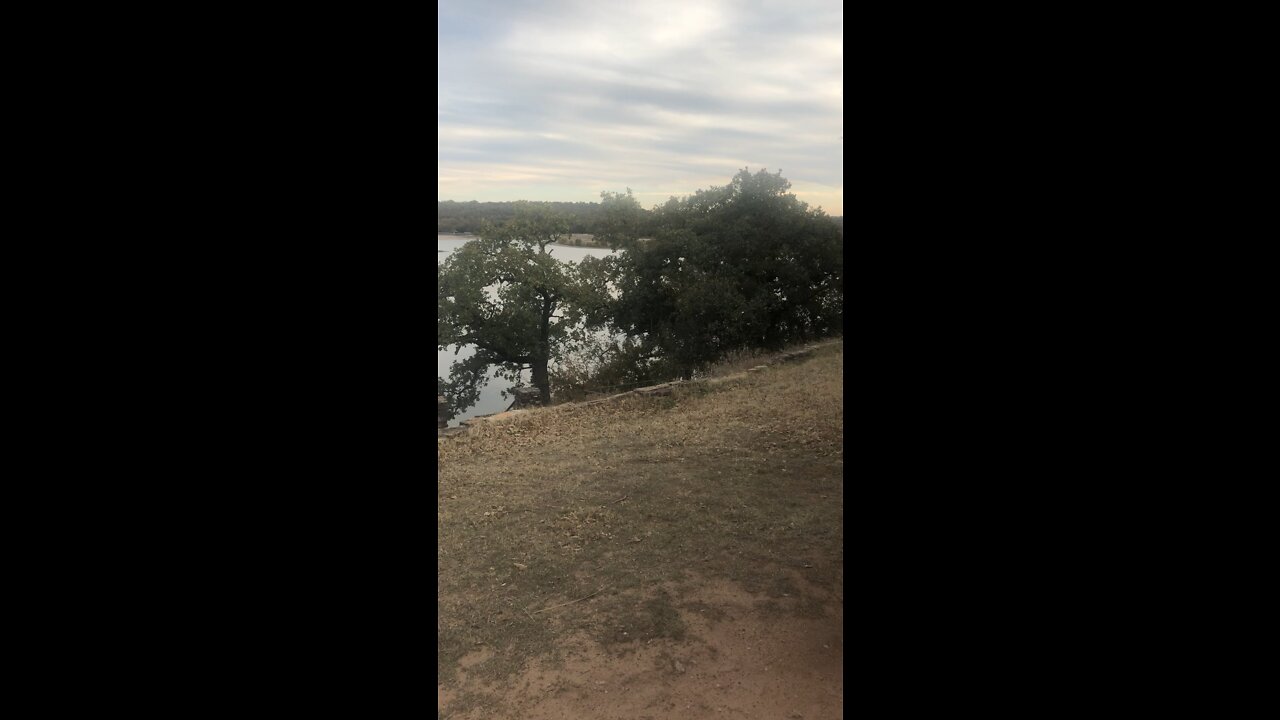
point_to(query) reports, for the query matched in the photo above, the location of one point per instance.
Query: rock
(526, 397)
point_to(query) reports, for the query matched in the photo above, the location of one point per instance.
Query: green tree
(620, 221)
(505, 295)
(746, 265)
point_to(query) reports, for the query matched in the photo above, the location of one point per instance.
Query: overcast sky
(560, 99)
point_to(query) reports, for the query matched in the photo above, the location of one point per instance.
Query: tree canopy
(506, 296)
(746, 265)
(742, 266)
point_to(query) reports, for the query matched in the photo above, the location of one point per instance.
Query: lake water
(491, 399)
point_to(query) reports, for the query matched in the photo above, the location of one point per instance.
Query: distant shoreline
(588, 240)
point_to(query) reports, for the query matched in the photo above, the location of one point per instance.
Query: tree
(506, 296)
(746, 265)
(620, 220)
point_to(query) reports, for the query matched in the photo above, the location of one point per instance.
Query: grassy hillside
(627, 542)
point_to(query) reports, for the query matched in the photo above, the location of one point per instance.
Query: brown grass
(617, 513)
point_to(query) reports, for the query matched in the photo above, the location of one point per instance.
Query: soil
(744, 658)
(674, 557)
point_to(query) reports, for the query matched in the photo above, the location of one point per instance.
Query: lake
(491, 400)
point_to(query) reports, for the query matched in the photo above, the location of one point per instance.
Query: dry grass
(738, 361)
(611, 512)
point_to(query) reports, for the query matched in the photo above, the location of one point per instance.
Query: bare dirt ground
(672, 557)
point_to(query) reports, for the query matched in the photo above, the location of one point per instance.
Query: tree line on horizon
(470, 216)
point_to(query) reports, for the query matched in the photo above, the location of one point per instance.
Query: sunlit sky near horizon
(559, 100)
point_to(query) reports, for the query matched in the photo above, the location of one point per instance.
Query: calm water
(491, 400)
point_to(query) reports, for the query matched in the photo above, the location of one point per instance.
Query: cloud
(570, 98)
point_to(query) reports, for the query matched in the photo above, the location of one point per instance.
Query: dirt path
(747, 663)
(670, 558)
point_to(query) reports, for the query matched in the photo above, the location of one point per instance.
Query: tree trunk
(541, 379)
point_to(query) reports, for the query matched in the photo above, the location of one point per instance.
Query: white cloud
(663, 97)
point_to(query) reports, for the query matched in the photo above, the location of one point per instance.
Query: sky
(563, 99)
